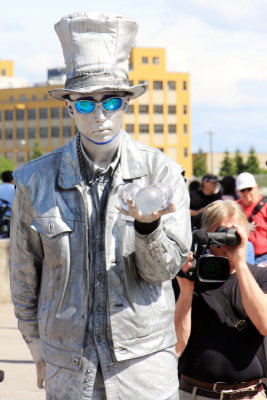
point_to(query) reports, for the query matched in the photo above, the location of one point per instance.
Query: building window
(11, 98)
(158, 128)
(33, 97)
(0, 115)
(66, 113)
(32, 133)
(185, 128)
(143, 109)
(130, 109)
(172, 128)
(55, 131)
(32, 113)
(22, 97)
(20, 133)
(131, 83)
(185, 110)
(157, 85)
(144, 128)
(144, 60)
(140, 82)
(130, 128)
(171, 85)
(43, 113)
(8, 115)
(158, 109)
(185, 152)
(45, 97)
(155, 60)
(54, 112)
(0, 133)
(3, 72)
(184, 85)
(20, 114)
(130, 66)
(43, 132)
(9, 133)
(66, 131)
(171, 109)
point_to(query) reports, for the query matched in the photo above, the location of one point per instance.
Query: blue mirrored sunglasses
(88, 106)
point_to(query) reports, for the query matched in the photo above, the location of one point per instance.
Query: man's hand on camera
(136, 214)
(237, 254)
(40, 371)
(186, 285)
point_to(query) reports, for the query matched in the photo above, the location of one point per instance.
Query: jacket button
(101, 247)
(75, 361)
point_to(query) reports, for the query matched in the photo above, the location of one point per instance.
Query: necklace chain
(81, 158)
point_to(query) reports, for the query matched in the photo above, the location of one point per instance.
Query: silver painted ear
(70, 109)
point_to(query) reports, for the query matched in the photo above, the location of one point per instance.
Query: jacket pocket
(55, 237)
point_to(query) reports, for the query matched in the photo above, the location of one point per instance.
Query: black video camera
(205, 267)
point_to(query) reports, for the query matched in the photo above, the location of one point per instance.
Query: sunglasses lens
(85, 106)
(112, 104)
(246, 190)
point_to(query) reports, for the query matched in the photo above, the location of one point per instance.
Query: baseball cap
(245, 180)
(210, 178)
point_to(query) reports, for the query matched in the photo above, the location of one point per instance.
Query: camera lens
(212, 269)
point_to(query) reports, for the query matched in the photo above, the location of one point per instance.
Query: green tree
(36, 151)
(227, 165)
(6, 165)
(239, 162)
(252, 164)
(199, 164)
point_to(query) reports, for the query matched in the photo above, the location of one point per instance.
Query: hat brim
(134, 91)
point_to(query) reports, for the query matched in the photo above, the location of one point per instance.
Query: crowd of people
(91, 278)
(243, 189)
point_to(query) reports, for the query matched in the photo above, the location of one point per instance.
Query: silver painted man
(91, 283)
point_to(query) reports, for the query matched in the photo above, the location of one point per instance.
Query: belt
(219, 386)
(230, 392)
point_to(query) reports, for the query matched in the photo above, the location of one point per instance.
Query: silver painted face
(100, 126)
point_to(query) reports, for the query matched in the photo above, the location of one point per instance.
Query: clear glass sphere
(127, 192)
(167, 194)
(149, 199)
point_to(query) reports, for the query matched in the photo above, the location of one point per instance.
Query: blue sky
(222, 44)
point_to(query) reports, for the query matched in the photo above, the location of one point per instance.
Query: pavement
(15, 359)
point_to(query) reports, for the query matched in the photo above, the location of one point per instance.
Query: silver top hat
(96, 48)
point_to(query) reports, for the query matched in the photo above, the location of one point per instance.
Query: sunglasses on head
(110, 105)
(246, 190)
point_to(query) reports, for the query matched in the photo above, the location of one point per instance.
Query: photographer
(221, 343)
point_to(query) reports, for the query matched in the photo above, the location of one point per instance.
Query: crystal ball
(127, 192)
(149, 199)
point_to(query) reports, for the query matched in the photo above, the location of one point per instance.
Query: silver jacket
(49, 256)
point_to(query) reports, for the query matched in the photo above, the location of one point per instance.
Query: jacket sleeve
(26, 255)
(160, 254)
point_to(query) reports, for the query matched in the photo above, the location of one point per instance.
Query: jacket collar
(131, 163)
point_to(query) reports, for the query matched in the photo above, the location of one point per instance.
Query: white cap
(245, 180)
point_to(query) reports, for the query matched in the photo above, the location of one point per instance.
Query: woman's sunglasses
(246, 190)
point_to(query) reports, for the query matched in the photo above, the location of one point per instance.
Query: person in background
(7, 188)
(199, 199)
(90, 281)
(221, 328)
(255, 207)
(194, 185)
(228, 189)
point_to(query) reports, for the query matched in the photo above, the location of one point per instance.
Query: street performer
(91, 282)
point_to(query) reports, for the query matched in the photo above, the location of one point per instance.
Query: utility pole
(210, 133)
